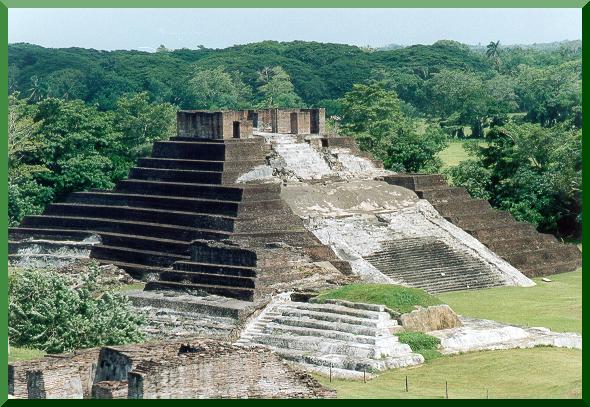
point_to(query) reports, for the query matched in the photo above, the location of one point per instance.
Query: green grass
(515, 373)
(397, 298)
(453, 154)
(17, 354)
(556, 305)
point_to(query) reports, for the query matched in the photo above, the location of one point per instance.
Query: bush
(396, 298)
(59, 313)
(421, 343)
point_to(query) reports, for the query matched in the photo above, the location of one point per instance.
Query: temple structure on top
(238, 124)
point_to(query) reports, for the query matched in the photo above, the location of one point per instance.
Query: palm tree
(493, 52)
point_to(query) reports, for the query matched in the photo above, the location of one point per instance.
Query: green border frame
(6, 4)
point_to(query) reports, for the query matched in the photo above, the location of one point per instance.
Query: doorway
(236, 133)
(294, 124)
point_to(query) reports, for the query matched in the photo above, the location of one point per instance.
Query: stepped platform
(533, 253)
(160, 222)
(350, 337)
(430, 264)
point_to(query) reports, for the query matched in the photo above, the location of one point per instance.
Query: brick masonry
(177, 369)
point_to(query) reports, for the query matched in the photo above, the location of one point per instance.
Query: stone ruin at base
(245, 211)
(177, 369)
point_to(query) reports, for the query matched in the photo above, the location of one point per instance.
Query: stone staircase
(533, 253)
(184, 192)
(339, 336)
(432, 265)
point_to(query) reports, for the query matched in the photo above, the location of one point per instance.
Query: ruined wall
(173, 369)
(227, 372)
(58, 376)
(229, 118)
(199, 124)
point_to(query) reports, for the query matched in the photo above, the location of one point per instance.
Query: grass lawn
(515, 373)
(397, 298)
(556, 305)
(453, 154)
(24, 354)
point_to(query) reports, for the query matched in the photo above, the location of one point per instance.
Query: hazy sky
(216, 28)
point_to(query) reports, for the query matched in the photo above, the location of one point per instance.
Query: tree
(463, 98)
(216, 89)
(162, 48)
(53, 312)
(67, 84)
(493, 53)
(532, 171)
(141, 123)
(372, 114)
(276, 89)
(551, 95)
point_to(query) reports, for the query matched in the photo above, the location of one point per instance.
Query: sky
(145, 29)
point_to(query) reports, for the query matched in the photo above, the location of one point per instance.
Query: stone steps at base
(46, 246)
(306, 322)
(331, 346)
(211, 306)
(517, 230)
(508, 246)
(544, 256)
(353, 305)
(19, 233)
(46, 258)
(198, 267)
(207, 278)
(97, 225)
(322, 316)
(343, 365)
(338, 309)
(443, 195)
(107, 254)
(554, 268)
(277, 328)
(244, 294)
(466, 208)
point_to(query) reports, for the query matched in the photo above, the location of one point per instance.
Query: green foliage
(397, 298)
(421, 343)
(276, 89)
(551, 95)
(54, 313)
(372, 114)
(469, 99)
(531, 171)
(418, 340)
(216, 89)
(58, 146)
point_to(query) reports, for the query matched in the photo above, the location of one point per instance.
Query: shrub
(421, 343)
(59, 313)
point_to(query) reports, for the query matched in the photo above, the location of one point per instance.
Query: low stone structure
(176, 369)
(228, 124)
(213, 124)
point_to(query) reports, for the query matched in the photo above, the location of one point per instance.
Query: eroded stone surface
(433, 318)
(483, 334)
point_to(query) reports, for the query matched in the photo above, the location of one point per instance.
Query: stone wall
(176, 369)
(224, 371)
(199, 124)
(68, 376)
